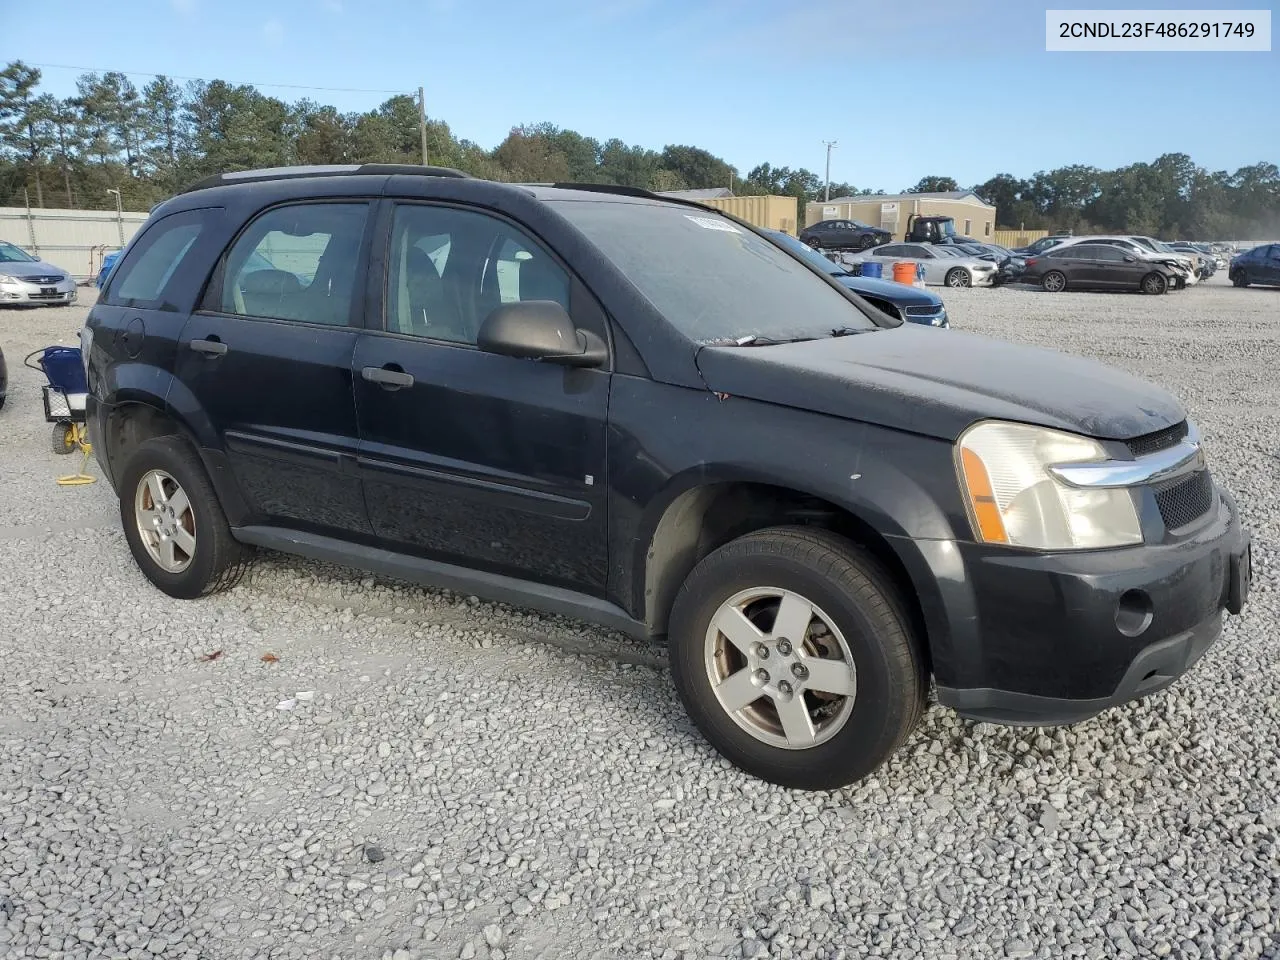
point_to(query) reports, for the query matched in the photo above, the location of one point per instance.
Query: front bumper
(20, 291)
(1046, 639)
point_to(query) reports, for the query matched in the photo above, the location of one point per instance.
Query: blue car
(1261, 265)
(896, 299)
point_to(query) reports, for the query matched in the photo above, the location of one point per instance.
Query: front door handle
(389, 377)
(210, 347)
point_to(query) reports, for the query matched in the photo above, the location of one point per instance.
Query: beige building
(973, 216)
(770, 212)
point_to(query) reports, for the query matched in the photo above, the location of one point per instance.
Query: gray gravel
(533, 785)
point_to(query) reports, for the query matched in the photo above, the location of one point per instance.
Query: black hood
(937, 382)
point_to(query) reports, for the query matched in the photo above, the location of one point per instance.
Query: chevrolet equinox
(601, 403)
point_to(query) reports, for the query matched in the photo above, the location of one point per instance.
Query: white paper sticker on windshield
(711, 223)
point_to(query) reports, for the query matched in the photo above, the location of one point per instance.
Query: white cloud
(273, 32)
(183, 8)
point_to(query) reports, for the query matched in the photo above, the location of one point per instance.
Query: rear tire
(1055, 281)
(1155, 284)
(174, 524)
(848, 681)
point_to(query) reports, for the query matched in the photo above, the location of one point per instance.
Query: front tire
(1155, 284)
(174, 524)
(959, 277)
(792, 652)
(1054, 281)
(866, 241)
(1239, 278)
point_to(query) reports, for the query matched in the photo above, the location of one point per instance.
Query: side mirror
(540, 330)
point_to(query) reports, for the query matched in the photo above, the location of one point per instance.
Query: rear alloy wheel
(959, 277)
(791, 650)
(1154, 283)
(813, 242)
(1054, 281)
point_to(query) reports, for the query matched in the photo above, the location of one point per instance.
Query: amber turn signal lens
(986, 513)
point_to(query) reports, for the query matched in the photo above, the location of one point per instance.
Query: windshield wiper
(848, 331)
(753, 341)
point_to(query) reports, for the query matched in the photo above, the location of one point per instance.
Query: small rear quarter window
(141, 277)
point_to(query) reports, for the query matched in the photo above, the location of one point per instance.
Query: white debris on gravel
(518, 771)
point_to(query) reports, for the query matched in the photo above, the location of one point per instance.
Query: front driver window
(451, 268)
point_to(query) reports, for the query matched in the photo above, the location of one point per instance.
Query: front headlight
(5, 278)
(1013, 498)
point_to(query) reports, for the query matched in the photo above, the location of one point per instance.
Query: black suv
(602, 403)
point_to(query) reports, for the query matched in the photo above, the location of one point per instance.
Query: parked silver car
(943, 265)
(25, 279)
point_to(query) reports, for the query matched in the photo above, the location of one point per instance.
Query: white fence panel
(74, 240)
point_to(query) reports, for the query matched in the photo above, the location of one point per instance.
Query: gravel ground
(416, 774)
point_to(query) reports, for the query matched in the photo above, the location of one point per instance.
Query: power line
(174, 76)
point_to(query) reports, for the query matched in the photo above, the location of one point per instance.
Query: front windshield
(710, 278)
(11, 254)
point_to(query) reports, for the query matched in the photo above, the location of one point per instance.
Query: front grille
(1160, 440)
(1185, 500)
(922, 311)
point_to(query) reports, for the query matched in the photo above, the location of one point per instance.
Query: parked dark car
(4, 379)
(607, 404)
(1261, 265)
(844, 235)
(898, 300)
(1098, 266)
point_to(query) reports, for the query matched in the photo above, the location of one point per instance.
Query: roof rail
(322, 170)
(607, 188)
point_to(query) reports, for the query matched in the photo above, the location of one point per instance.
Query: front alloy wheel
(1053, 281)
(780, 668)
(959, 277)
(793, 651)
(1154, 283)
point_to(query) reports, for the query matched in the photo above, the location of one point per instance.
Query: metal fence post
(31, 223)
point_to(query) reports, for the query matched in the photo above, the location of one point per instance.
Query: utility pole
(422, 123)
(827, 193)
(119, 215)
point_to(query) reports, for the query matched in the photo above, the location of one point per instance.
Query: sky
(959, 88)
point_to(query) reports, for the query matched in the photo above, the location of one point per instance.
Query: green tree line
(149, 142)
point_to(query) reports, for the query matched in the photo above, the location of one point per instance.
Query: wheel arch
(703, 512)
(133, 417)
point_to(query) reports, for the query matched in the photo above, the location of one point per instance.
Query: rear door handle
(391, 377)
(210, 346)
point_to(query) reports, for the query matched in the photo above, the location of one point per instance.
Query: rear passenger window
(141, 277)
(294, 263)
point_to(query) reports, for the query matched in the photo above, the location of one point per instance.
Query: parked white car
(943, 266)
(26, 280)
